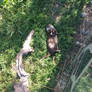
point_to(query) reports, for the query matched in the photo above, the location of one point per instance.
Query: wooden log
(22, 85)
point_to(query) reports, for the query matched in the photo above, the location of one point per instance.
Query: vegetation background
(17, 19)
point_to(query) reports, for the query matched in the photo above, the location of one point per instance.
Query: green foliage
(84, 84)
(19, 17)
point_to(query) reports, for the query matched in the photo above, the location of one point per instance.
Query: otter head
(50, 30)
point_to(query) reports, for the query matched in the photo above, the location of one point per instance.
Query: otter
(52, 40)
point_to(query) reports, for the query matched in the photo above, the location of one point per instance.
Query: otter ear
(47, 29)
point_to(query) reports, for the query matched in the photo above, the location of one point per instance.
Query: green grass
(18, 19)
(84, 84)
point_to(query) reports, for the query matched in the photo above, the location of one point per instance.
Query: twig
(49, 88)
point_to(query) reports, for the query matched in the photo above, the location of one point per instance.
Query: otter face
(51, 31)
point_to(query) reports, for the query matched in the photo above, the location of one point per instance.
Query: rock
(77, 42)
(84, 14)
(84, 32)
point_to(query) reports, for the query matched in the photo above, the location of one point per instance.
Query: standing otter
(52, 40)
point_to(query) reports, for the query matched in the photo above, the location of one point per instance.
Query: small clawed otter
(52, 40)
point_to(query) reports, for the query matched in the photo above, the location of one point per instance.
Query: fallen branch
(22, 86)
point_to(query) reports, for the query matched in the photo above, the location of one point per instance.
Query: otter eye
(51, 30)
